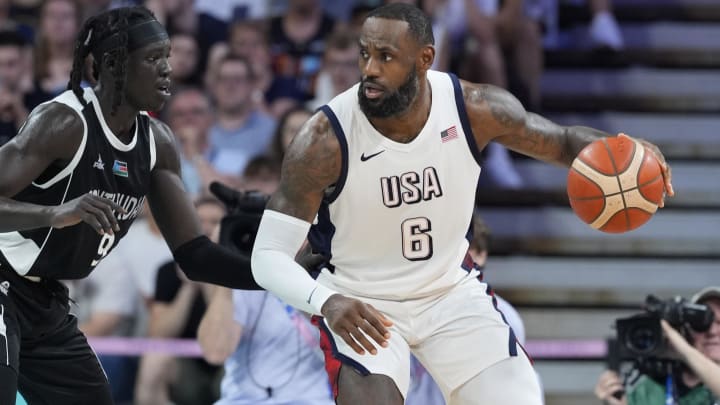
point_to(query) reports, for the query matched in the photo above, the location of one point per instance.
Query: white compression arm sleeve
(278, 240)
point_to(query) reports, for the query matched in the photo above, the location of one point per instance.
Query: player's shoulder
(54, 127)
(57, 117)
(159, 128)
(314, 153)
(483, 94)
(317, 131)
(487, 104)
(162, 135)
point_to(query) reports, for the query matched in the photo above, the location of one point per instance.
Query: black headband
(139, 35)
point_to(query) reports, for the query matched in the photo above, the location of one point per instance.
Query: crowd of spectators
(239, 66)
(246, 75)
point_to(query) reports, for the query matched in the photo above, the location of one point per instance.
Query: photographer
(699, 379)
(270, 350)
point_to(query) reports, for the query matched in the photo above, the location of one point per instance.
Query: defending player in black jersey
(71, 183)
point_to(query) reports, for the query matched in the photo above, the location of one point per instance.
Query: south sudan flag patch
(120, 169)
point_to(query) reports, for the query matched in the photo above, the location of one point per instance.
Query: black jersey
(102, 165)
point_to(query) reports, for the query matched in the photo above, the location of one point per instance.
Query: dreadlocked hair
(93, 32)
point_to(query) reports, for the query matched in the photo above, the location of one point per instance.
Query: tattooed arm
(312, 163)
(496, 115)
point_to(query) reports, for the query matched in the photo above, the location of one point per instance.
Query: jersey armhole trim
(464, 120)
(340, 135)
(153, 151)
(73, 163)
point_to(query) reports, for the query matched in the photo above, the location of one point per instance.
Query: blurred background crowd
(248, 73)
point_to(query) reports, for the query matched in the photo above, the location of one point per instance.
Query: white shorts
(455, 336)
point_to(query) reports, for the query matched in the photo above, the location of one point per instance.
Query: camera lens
(642, 339)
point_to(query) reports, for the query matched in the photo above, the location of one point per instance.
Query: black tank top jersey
(102, 165)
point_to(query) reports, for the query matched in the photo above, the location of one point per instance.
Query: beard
(390, 104)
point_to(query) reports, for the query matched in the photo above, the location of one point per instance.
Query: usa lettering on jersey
(411, 187)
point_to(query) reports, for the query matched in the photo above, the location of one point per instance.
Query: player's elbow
(259, 264)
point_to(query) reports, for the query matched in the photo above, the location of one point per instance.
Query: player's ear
(427, 57)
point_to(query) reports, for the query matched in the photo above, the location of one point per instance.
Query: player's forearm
(278, 239)
(19, 216)
(550, 142)
(205, 261)
(579, 137)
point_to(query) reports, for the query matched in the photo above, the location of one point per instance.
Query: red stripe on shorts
(332, 365)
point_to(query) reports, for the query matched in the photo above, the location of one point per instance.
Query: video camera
(640, 337)
(245, 208)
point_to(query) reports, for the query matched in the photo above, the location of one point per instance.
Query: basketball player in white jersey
(387, 174)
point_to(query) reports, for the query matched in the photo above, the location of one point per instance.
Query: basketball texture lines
(615, 185)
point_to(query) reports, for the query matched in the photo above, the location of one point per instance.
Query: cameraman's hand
(355, 321)
(608, 384)
(677, 341)
(702, 366)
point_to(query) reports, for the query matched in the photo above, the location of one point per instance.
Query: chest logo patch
(368, 157)
(99, 164)
(120, 168)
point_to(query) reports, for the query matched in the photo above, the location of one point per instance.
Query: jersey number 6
(417, 242)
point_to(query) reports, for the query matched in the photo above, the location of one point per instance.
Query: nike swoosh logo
(368, 157)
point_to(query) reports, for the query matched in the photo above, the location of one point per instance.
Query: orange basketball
(615, 184)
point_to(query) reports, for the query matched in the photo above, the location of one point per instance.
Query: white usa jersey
(397, 223)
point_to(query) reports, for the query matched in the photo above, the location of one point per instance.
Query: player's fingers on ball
(656, 152)
(667, 174)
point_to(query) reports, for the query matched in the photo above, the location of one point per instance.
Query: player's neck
(406, 126)
(121, 123)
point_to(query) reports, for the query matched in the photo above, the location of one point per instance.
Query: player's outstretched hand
(93, 210)
(664, 166)
(355, 321)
